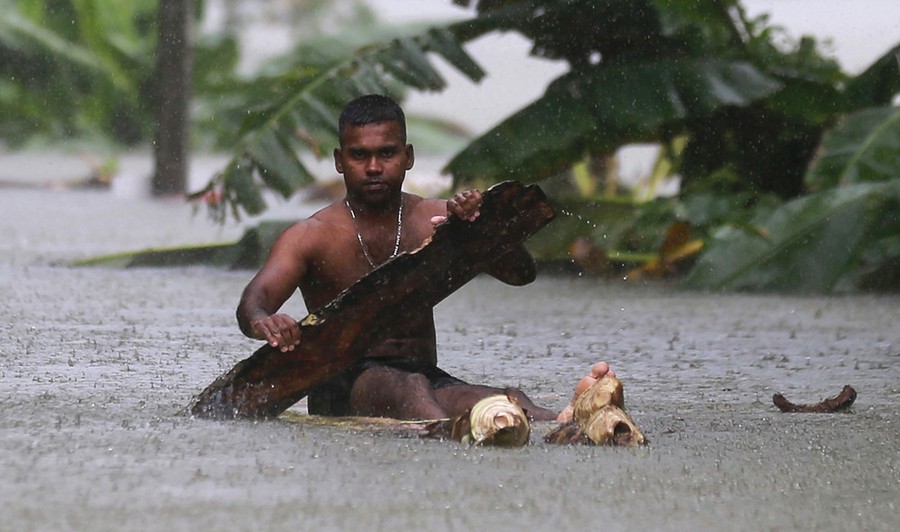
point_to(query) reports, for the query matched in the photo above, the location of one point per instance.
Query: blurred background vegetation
(788, 167)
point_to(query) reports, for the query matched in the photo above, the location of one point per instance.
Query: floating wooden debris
(838, 403)
(393, 427)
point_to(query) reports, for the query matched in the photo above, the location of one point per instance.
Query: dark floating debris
(838, 403)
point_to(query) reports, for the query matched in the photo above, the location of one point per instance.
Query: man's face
(374, 161)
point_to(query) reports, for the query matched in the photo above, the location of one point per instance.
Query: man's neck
(386, 210)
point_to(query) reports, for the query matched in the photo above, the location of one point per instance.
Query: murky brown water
(95, 365)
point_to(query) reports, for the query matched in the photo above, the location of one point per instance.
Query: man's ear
(410, 156)
(338, 165)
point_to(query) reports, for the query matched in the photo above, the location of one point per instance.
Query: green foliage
(602, 220)
(85, 68)
(864, 147)
(845, 236)
(788, 166)
(597, 110)
(652, 71)
(841, 239)
(878, 85)
(75, 68)
(742, 157)
(303, 108)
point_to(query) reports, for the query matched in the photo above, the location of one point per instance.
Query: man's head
(373, 156)
(371, 109)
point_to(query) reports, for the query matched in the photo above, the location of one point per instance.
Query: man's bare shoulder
(427, 207)
(318, 227)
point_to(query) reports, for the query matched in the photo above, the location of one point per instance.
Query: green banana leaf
(865, 146)
(305, 117)
(842, 239)
(600, 109)
(21, 34)
(76, 68)
(583, 31)
(111, 33)
(878, 84)
(641, 41)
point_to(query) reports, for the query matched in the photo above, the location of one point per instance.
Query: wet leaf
(19, 33)
(599, 110)
(878, 84)
(406, 61)
(238, 180)
(442, 41)
(278, 164)
(836, 240)
(865, 146)
(304, 115)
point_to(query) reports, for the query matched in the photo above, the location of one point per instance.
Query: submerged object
(497, 420)
(841, 401)
(599, 418)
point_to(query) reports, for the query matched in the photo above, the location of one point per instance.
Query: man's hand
(279, 330)
(464, 205)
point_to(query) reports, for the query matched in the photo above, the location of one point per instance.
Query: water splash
(580, 218)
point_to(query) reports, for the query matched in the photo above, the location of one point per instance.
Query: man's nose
(373, 165)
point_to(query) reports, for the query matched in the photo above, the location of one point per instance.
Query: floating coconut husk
(375, 307)
(606, 391)
(611, 425)
(599, 419)
(838, 403)
(497, 420)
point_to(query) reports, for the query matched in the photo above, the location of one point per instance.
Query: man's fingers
(465, 205)
(472, 204)
(290, 335)
(280, 332)
(291, 338)
(273, 337)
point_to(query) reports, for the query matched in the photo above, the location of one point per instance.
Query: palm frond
(305, 119)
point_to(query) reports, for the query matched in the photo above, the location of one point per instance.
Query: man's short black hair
(371, 109)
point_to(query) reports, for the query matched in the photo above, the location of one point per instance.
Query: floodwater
(96, 365)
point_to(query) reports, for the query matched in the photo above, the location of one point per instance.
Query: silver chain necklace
(359, 237)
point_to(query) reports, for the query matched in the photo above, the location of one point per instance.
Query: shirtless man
(344, 241)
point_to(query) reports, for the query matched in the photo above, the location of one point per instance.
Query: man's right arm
(257, 312)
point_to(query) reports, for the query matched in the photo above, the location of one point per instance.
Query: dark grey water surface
(95, 365)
